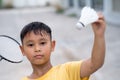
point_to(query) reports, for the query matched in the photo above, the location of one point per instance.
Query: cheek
(48, 47)
(29, 55)
(28, 52)
(48, 50)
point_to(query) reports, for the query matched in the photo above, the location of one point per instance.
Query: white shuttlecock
(88, 16)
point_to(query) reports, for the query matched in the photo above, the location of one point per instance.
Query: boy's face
(37, 48)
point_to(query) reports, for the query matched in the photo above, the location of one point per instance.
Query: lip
(38, 56)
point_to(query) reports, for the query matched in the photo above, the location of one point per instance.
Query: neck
(40, 70)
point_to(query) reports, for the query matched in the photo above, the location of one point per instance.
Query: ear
(53, 45)
(22, 50)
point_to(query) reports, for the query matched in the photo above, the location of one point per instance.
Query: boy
(37, 45)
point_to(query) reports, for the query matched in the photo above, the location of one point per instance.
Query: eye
(30, 45)
(42, 43)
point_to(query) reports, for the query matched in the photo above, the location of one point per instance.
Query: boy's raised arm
(92, 64)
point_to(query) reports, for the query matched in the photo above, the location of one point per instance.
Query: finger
(99, 23)
(101, 16)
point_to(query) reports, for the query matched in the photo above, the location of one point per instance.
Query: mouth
(38, 56)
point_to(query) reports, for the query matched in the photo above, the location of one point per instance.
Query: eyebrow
(42, 39)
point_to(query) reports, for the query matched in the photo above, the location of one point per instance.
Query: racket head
(10, 49)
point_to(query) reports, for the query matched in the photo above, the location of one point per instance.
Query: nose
(37, 48)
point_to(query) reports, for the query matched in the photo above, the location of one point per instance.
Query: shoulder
(70, 66)
(73, 64)
(24, 78)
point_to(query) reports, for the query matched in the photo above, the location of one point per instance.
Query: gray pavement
(72, 44)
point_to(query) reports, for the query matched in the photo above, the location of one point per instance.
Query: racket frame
(1, 57)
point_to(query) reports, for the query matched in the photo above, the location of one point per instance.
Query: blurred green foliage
(0, 3)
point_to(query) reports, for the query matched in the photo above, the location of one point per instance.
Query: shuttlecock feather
(88, 16)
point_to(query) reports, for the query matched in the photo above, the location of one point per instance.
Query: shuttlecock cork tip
(80, 25)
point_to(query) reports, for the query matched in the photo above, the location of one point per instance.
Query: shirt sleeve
(73, 70)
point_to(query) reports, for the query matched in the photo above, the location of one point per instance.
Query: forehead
(38, 35)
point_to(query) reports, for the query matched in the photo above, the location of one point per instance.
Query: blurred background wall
(110, 8)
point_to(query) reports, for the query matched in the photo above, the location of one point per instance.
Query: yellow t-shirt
(67, 71)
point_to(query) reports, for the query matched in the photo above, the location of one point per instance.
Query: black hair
(37, 28)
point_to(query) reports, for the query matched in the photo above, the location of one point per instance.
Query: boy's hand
(99, 26)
